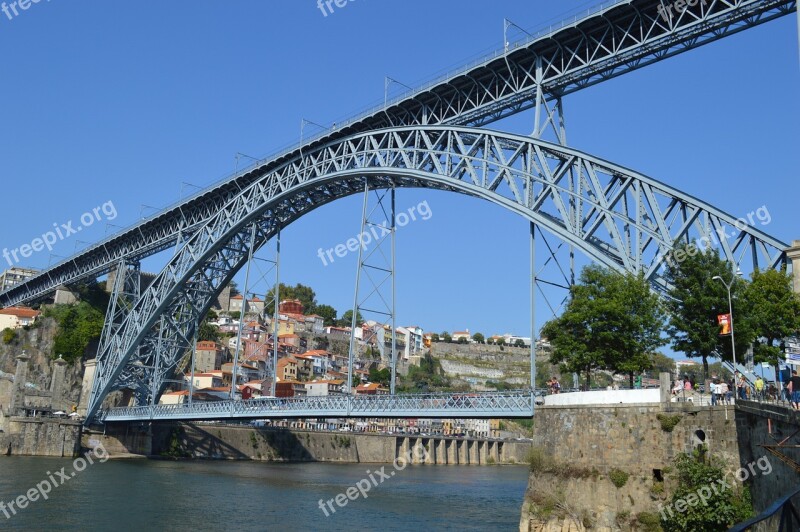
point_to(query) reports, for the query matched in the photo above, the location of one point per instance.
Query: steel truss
(375, 290)
(618, 39)
(622, 219)
(515, 404)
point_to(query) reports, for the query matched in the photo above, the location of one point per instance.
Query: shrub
(720, 511)
(668, 422)
(8, 336)
(618, 478)
(650, 521)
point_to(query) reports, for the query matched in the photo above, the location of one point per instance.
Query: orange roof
(287, 336)
(206, 346)
(238, 297)
(318, 352)
(20, 312)
(369, 386)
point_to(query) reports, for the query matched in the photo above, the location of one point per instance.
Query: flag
(724, 321)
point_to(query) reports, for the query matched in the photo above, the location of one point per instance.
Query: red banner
(724, 321)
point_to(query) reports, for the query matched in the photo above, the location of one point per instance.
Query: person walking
(794, 382)
(724, 392)
(759, 388)
(714, 393)
(741, 388)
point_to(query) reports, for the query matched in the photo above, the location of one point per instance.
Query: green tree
(383, 376)
(612, 321)
(695, 299)
(723, 507)
(446, 337)
(462, 340)
(328, 313)
(479, 338)
(519, 343)
(435, 338)
(500, 341)
(9, 335)
(347, 319)
(305, 294)
(78, 326)
(208, 333)
(774, 313)
(660, 363)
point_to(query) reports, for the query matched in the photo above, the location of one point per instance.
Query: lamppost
(730, 310)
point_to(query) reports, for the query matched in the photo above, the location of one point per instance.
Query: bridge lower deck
(447, 405)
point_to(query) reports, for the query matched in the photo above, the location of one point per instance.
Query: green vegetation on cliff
(79, 325)
(699, 474)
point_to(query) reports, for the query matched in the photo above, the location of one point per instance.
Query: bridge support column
(376, 269)
(17, 406)
(57, 385)
(793, 253)
(86, 387)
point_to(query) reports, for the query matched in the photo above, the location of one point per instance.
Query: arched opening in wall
(699, 438)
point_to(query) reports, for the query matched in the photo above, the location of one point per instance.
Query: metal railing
(790, 519)
(432, 405)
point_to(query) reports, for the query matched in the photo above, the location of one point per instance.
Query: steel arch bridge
(617, 217)
(615, 39)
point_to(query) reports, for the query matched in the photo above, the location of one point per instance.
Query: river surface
(150, 495)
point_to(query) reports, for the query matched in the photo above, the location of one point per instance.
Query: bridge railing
(455, 404)
(789, 516)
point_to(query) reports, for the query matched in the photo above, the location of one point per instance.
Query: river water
(149, 495)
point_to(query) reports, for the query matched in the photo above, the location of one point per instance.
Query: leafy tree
(208, 333)
(435, 338)
(612, 321)
(500, 341)
(9, 335)
(234, 286)
(774, 312)
(383, 376)
(304, 293)
(519, 343)
(328, 313)
(723, 507)
(347, 319)
(462, 340)
(696, 299)
(660, 363)
(479, 338)
(78, 326)
(446, 337)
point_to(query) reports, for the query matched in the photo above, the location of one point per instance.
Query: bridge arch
(616, 216)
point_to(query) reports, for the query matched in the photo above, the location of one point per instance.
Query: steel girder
(617, 39)
(619, 218)
(439, 405)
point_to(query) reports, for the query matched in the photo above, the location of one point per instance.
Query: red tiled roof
(20, 312)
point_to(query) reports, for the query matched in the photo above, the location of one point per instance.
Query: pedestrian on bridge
(794, 385)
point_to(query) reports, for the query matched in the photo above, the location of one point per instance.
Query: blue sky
(124, 102)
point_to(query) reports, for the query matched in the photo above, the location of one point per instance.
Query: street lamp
(730, 310)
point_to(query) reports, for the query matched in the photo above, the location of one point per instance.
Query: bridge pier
(17, 406)
(90, 366)
(793, 253)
